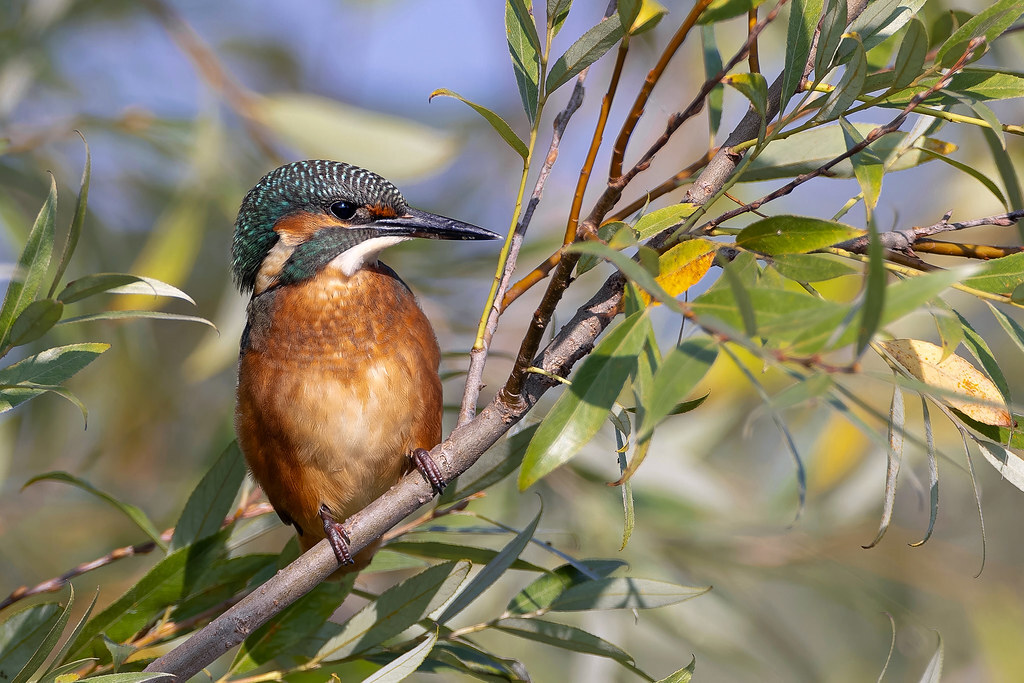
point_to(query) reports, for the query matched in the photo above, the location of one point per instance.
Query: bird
(338, 393)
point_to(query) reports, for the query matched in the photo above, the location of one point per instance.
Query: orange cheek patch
(297, 228)
(382, 211)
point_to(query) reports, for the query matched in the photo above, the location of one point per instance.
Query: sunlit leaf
(650, 224)
(451, 551)
(580, 411)
(720, 10)
(630, 268)
(133, 315)
(558, 10)
(542, 592)
(118, 283)
(683, 266)
(754, 87)
(624, 593)
(590, 47)
(793, 234)
(405, 665)
(999, 276)
(933, 673)
(979, 348)
(650, 14)
(923, 360)
(684, 675)
(75, 231)
(497, 123)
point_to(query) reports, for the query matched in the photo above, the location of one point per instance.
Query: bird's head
(305, 215)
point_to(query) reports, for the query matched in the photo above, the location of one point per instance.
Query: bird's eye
(344, 210)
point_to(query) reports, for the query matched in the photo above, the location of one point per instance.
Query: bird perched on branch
(338, 391)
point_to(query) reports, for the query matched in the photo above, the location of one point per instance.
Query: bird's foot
(336, 536)
(426, 466)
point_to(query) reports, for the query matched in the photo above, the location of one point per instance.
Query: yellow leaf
(683, 265)
(924, 361)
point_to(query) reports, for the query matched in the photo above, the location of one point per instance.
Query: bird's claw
(336, 536)
(426, 466)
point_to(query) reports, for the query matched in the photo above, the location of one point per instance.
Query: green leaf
(894, 460)
(590, 47)
(492, 572)
(873, 303)
(650, 15)
(36, 320)
(118, 283)
(166, 584)
(976, 84)
(803, 19)
(46, 647)
(22, 634)
(720, 10)
(134, 315)
(973, 172)
(867, 167)
(713, 64)
(1012, 328)
(910, 58)
(32, 265)
(650, 224)
(793, 234)
(580, 411)
(990, 23)
(1013, 438)
(624, 593)
(395, 610)
(628, 11)
(524, 47)
(999, 276)
(806, 151)
(452, 551)
(463, 658)
(558, 10)
(878, 21)
(684, 675)
(69, 668)
(77, 221)
(951, 332)
(72, 639)
(516, 445)
(630, 268)
(133, 512)
(1005, 166)
(499, 124)
(53, 366)
(680, 371)
(833, 25)
(754, 87)
(849, 88)
(405, 665)
(210, 502)
(542, 592)
(292, 626)
(563, 636)
(811, 267)
(130, 677)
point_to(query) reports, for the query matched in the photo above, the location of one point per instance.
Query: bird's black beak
(416, 223)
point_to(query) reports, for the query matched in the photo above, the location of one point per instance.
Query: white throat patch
(351, 260)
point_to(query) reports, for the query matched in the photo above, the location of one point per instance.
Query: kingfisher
(338, 390)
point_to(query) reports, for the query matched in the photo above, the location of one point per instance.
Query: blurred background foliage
(186, 104)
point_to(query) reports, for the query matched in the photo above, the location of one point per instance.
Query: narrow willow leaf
(542, 592)
(910, 58)
(803, 19)
(1012, 328)
(492, 572)
(849, 88)
(624, 593)
(130, 677)
(995, 126)
(971, 171)
(813, 387)
(497, 123)
(867, 167)
(395, 610)
(680, 371)
(32, 265)
(53, 366)
(37, 319)
(897, 420)
(562, 636)
(811, 267)
(210, 502)
(516, 444)
(650, 15)
(877, 22)
(1005, 166)
(524, 47)
(71, 641)
(659, 220)
(293, 625)
(590, 47)
(978, 347)
(75, 231)
(684, 675)
(461, 657)
(69, 668)
(754, 87)
(1007, 463)
(873, 304)
(741, 295)
(833, 25)
(628, 11)
(46, 646)
(22, 633)
(118, 283)
(133, 512)
(951, 332)
(999, 276)
(628, 510)
(558, 10)
(578, 413)
(793, 235)
(933, 474)
(933, 674)
(712, 66)
(720, 10)
(12, 395)
(953, 374)
(990, 23)
(133, 315)
(451, 551)
(405, 665)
